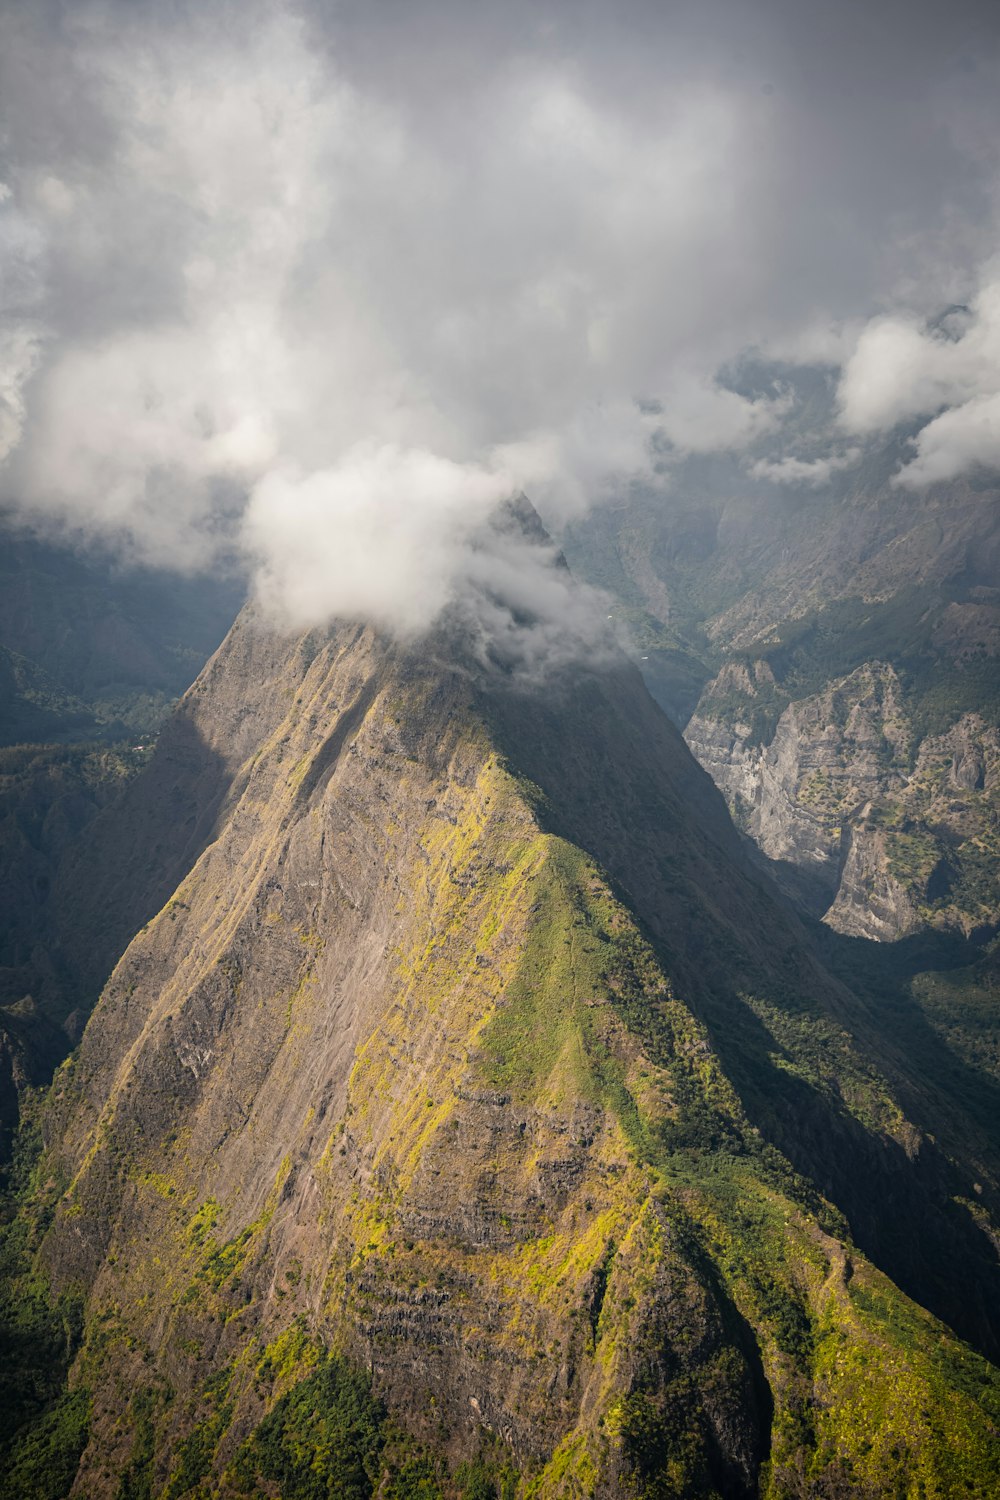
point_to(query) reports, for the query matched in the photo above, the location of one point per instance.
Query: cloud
(705, 417)
(902, 369)
(21, 255)
(811, 473)
(964, 438)
(318, 284)
(386, 533)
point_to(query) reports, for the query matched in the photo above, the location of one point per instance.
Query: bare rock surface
(888, 832)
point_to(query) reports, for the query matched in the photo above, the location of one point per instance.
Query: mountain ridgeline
(471, 1118)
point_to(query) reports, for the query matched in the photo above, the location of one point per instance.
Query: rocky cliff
(880, 830)
(470, 1114)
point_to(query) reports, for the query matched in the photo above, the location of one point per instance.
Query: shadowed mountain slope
(92, 656)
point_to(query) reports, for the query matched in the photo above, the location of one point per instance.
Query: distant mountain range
(92, 650)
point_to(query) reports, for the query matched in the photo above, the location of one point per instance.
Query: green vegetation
(419, 1478)
(42, 1463)
(737, 1206)
(137, 1479)
(327, 1436)
(43, 1423)
(323, 1438)
(196, 1452)
(477, 1480)
(962, 1005)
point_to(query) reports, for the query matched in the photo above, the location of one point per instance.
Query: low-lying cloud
(321, 288)
(316, 536)
(902, 369)
(808, 473)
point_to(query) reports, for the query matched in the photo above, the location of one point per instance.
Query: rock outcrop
(880, 831)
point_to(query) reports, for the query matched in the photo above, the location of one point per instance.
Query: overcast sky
(333, 279)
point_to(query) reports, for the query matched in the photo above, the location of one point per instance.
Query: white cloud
(22, 250)
(901, 369)
(701, 416)
(603, 445)
(385, 534)
(276, 282)
(19, 355)
(898, 371)
(811, 473)
(960, 439)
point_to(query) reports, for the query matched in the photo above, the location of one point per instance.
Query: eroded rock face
(293, 1069)
(883, 832)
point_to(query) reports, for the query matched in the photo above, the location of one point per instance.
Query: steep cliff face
(883, 831)
(468, 1051)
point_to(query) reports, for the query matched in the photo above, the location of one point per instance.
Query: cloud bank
(901, 369)
(319, 286)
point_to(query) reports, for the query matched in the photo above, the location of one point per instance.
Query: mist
(316, 288)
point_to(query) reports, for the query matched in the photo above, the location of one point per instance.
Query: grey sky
(331, 279)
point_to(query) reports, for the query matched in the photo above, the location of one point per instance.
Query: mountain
(832, 655)
(472, 1117)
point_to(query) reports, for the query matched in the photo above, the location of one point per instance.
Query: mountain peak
(451, 1056)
